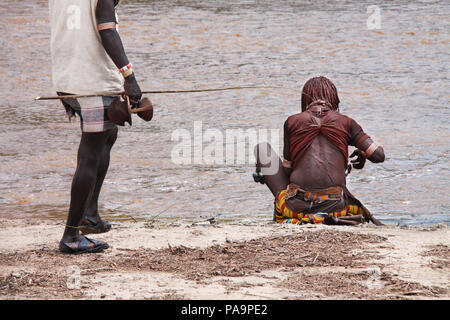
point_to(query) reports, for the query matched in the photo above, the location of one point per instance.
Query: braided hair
(319, 88)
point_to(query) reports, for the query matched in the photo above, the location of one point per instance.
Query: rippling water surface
(394, 81)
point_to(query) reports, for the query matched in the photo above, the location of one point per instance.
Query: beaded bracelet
(127, 70)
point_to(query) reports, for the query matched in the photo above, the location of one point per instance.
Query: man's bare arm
(106, 23)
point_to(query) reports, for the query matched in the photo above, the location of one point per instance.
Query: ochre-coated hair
(319, 88)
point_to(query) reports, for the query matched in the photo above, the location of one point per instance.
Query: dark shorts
(93, 112)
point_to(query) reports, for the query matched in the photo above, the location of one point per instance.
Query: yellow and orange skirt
(285, 215)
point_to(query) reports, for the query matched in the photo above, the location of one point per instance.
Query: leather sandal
(85, 245)
(95, 227)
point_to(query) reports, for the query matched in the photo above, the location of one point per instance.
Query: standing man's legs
(91, 215)
(89, 165)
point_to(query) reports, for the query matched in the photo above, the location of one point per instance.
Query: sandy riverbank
(223, 261)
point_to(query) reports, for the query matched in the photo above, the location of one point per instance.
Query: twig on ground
(317, 255)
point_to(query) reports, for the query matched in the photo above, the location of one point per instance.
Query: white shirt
(80, 64)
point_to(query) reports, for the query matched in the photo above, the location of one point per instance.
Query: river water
(391, 74)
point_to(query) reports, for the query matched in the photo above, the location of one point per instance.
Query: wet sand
(207, 261)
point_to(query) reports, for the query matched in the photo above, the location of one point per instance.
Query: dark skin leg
(92, 209)
(112, 43)
(266, 158)
(90, 151)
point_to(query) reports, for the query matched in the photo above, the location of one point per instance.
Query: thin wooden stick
(157, 92)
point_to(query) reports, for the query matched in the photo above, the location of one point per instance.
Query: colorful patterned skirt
(285, 215)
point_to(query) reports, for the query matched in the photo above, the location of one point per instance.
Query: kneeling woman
(309, 185)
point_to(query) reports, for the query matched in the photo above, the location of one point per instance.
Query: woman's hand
(360, 161)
